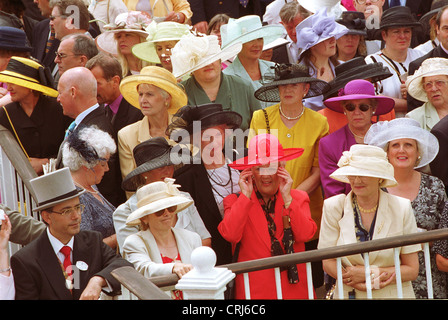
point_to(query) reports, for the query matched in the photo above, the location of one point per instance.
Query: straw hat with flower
(158, 77)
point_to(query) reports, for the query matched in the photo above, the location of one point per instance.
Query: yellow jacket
(159, 9)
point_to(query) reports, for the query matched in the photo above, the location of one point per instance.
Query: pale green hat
(248, 28)
(158, 32)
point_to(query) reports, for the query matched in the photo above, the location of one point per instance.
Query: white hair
(98, 140)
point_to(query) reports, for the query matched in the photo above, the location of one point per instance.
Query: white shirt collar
(57, 244)
(84, 114)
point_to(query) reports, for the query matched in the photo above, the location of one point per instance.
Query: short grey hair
(97, 139)
(290, 10)
(82, 45)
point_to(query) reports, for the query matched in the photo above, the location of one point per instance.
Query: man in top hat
(108, 74)
(64, 263)
(78, 96)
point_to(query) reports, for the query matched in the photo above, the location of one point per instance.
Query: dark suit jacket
(110, 186)
(438, 165)
(40, 38)
(38, 273)
(418, 7)
(437, 52)
(126, 115)
(204, 10)
(193, 179)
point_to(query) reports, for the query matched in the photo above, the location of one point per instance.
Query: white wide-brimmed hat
(429, 67)
(53, 188)
(334, 7)
(316, 29)
(157, 196)
(381, 133)
(365, 161)
(192, 53)
(132, 21)
(248, 28)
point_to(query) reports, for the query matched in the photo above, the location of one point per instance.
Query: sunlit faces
(442, 29)
(65, 58)
(326, 48)
(348, 45)
(266, 178)
(152, 100)
(291, 27)
(18, 93)
(403, 153)
(436, 88)
(163, 49)
(252, 49)
(357, 118)
(96, 173)
(63, 227)
(397, 38)
(293, 93)
(65, 99)
(58, 22)
(364, 186)
(161, 220)
(125, 42)
(106, 89)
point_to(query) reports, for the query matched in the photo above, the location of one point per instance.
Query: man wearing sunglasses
(64, 263)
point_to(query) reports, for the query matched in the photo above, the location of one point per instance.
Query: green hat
(158, 32)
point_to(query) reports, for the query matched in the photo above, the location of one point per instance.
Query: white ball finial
(203, 259)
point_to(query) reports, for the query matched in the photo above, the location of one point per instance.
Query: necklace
(91, 191)
(366, 210)
(291, 118)
(355, 135)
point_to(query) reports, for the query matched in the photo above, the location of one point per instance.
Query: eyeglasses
(64, 55)
(161, 212)
(351, 107)
(54, 17)
(79, 209)
(438, 83)
(364, 1)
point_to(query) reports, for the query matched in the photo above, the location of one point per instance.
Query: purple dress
(330, 151)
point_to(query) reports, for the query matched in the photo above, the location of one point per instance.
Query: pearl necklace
(355, 135)
(291, 118)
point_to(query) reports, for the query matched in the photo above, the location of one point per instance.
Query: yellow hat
(28, 73)
(159, 77)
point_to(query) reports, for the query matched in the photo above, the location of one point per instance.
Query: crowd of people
(257, 128)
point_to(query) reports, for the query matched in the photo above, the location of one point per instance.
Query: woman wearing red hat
(268, 218)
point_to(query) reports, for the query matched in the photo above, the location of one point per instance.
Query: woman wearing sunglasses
(358, 102)
(158, 248)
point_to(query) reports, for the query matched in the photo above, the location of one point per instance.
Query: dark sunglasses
(161, 212)
(351, 107)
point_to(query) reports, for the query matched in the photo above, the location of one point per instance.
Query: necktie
(244, 3)
(50, 40)
(394, 3)
(67, 264)
(70, 129)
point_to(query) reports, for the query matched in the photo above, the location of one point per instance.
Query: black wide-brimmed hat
(209, 115)
(288, 74)
(356, 68)
(398, 17)
(436, 6)
(152, 154)
(354, 21)
(13, 39)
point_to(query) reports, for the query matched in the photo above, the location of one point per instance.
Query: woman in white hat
(208, 83)
(34, 117)
(127, 30)
(410, 148)
(430, 85)
(157, 94)
(249, 31)
(369, 213)
(162, 37)
(160, 249)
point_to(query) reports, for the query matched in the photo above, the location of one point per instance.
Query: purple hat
(360, 89)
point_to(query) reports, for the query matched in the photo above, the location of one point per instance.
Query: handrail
(16, 155)
(319, 254)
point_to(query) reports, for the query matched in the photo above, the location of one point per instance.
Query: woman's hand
(246, 182)
(285, 184)
(181, 268)
(175, 17)
(355, 277)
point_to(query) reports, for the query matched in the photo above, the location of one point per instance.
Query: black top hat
(353, 69)
(354, 21)
(398, 17)
(152, 154)
(210, 115)
(13, 39)
(289, 74)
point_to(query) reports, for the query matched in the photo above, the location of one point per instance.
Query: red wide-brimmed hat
(264, 149)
